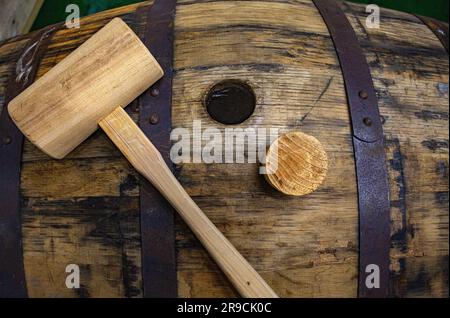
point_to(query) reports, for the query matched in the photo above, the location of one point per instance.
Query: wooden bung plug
(296, 163)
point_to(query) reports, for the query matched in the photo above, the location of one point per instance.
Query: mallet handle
(147, 160)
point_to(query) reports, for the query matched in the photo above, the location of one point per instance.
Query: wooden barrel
(84, 209)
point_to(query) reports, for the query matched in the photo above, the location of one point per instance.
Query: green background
(53, 11)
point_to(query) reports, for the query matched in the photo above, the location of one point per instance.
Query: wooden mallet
(87, 90)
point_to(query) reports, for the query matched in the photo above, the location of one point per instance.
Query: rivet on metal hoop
(363, 94)
(367, 121)
(6, 140)
(154, 119)
(154, 91)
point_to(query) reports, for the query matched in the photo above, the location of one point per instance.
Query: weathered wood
(92, 226)
(302, 246)
(148, 161)
(17, 17)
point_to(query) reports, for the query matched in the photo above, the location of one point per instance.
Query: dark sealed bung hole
(230, 102)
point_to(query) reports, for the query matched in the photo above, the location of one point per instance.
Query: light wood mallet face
(62, 108)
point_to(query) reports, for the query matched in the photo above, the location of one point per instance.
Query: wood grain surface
(296, 164)
(148, 161)
(17, 17)
(61, 109)
(85, 208)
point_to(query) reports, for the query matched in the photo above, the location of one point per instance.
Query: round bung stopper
(296, 163)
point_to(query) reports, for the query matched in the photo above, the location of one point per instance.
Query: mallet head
(62, 108)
